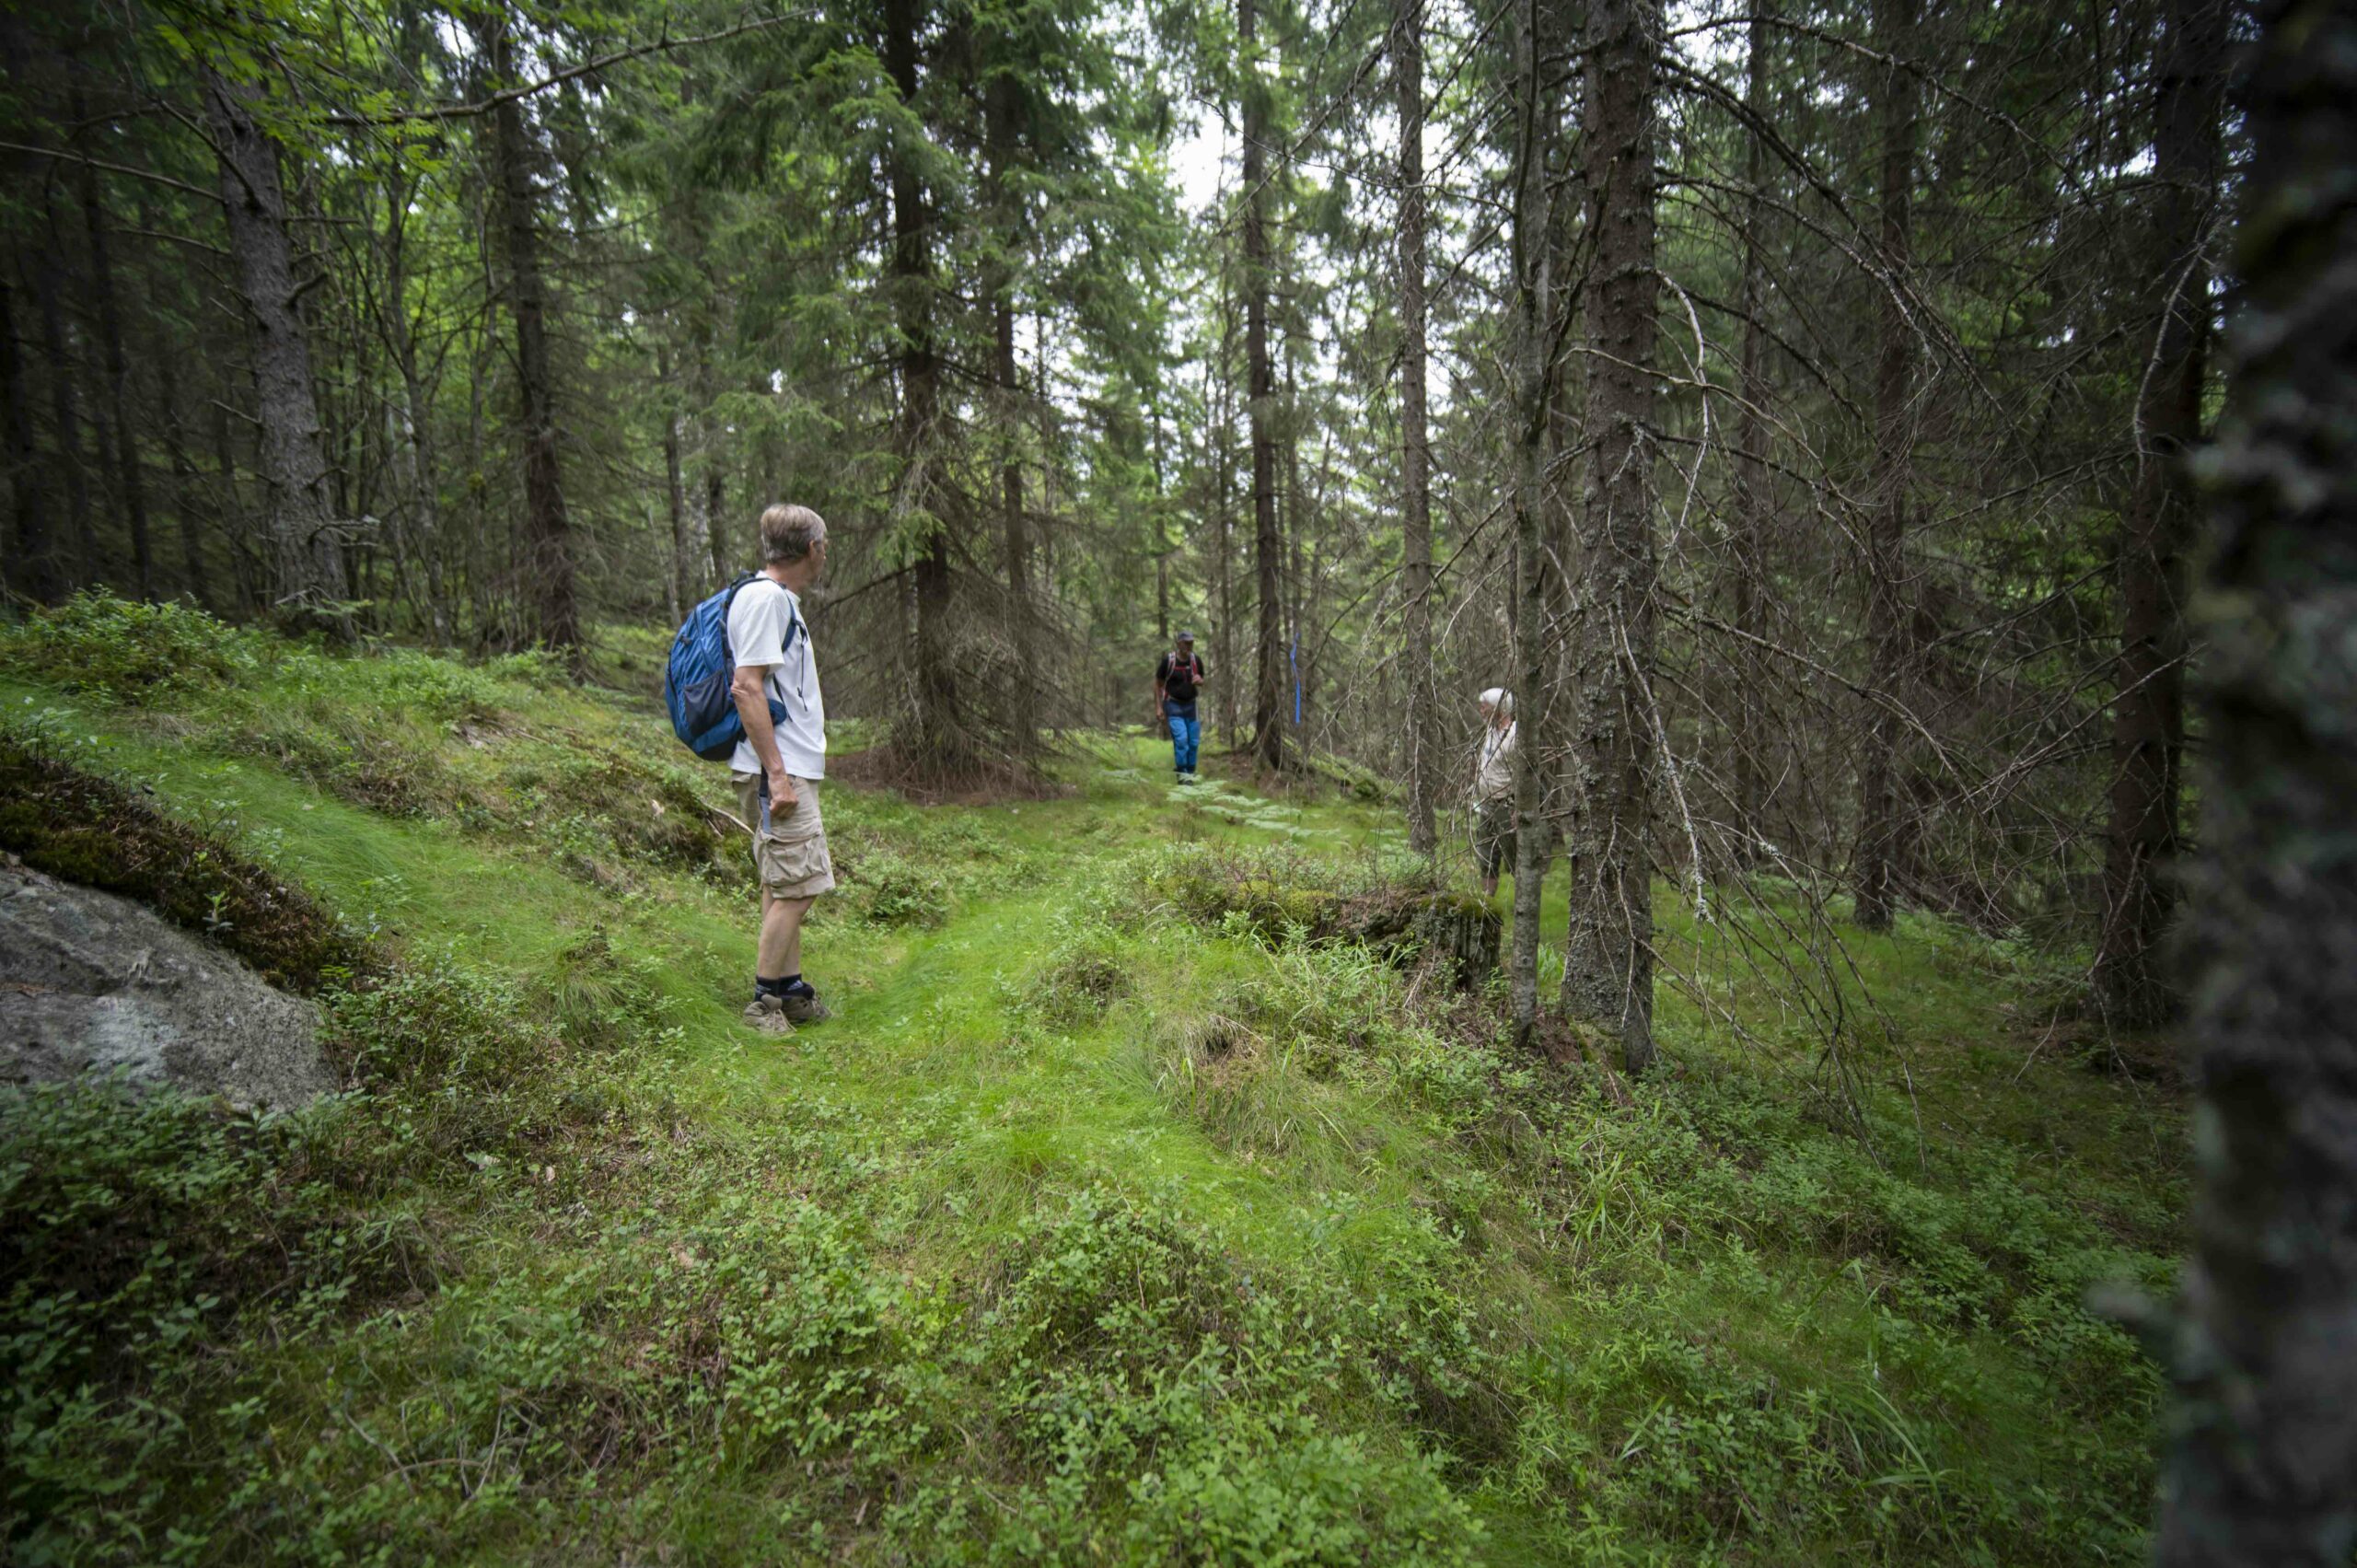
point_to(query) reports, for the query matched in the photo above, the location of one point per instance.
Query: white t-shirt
(757, 617)
(1494, 774)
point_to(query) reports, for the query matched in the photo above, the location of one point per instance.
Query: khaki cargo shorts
(1496, 839)
(792, 856)
(1493, 835)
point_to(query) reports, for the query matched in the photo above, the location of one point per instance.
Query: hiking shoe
(804, 1007)
(770, 1014)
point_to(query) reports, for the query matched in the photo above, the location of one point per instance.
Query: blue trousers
(1185, 735)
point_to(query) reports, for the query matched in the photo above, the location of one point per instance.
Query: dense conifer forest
(1895, 464)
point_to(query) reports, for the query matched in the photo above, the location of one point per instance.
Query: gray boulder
(90, 982)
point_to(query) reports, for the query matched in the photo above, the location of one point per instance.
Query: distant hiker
(1176, 680)
(779, 764)
(1494, 789)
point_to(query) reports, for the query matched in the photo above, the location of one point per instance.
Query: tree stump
(1458, 930)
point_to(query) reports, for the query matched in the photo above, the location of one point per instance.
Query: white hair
(1500, 699)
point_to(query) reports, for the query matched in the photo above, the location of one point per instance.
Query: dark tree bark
(1261, 387)
(191, 507)
(2260, 1471)
(32, 554)
(187, 504)
(306, 552)
(940, 743)
(2148, 715)
(129, 482)
(418, 469)
(675, 498)
(65, 413)
(1534, 251)
(1747, 736)
(409, 431)
(1422, 742)
(716, 547)
(1003, 131)
(228, 506)
(1608, 956)
(1290, 527)
(547, 531)
(1887, 630)
(1019, 534)
(1161, 580)
(718, 534)
(1223, 391)
(408, 427)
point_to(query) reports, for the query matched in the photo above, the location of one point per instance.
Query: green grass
(1098, 1226)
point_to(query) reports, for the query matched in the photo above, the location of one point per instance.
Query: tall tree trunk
(228, 507)
(1267, 545)
(190, 509)
(307, 556)
(410, 427)
(129, 481)
(1747, 736)
(717, 545)
(1534, 107)
(1162, 546)
(1887, 629)
(941, 744)
(1006, 370)
(1608, 954)
(412, 433)
(2148, 715)
(421, 491)
(718, 534)
(548, 530)
(1422, 742)
(2267, 1429)
(1161, 580)
(675, 498)
(476, 539)
(33, 569)
(65, 415)
(1291, 525)
(1222, 388)
(1017, 531)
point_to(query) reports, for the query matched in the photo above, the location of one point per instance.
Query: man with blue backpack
(743, 684)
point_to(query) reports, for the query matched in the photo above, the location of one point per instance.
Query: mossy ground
(1107, 1222)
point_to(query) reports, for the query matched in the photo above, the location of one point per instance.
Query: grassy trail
(1110, 1220)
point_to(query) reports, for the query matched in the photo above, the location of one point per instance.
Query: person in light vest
(1493, 841)
(1176, 680)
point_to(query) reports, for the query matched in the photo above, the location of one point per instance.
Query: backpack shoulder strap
(726, 605)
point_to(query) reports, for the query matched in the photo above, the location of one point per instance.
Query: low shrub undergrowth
(132, 652)
(1294, 1260)
(161, 1253)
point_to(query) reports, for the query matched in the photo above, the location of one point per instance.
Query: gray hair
(788, 532)
(1499, 698)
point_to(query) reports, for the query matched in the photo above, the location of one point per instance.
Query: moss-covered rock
(79, 828)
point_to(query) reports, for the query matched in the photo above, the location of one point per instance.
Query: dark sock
(798, 986)
(778, 987)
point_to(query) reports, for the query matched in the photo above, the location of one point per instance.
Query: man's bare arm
(753, 707)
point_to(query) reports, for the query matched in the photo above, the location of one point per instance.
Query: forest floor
(1112, 1219)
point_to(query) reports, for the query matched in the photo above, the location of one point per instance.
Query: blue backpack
(697, 684)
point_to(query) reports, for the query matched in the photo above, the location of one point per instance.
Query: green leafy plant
(133, 652)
